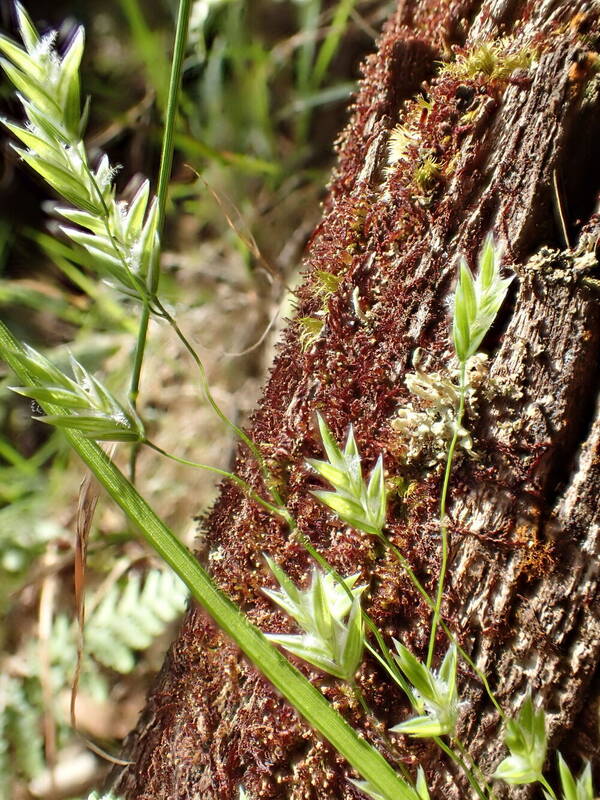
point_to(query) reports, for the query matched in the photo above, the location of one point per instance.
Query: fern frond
(21, 740)
(128, 619)
(25, 531)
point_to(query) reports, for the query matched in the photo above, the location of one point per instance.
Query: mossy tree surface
(524, 516)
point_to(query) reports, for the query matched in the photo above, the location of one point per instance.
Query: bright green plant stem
(245, 487)
(307, 700)
(443, 523)
(168, 142)
(164, 313)
(166, 163)
(343, 9)
(457, 758)
(13, 457)
(150, 49)
(547, 787)
(385, 657)
(451, 637)
(477, 772)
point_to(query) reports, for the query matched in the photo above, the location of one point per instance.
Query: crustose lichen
(427, 423)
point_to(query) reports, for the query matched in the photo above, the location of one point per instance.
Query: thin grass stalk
(147, 43)
(443, 524)
(385, 657)
(168, 142)
(451, 637)
(243, 436)
(473, 782)
(477, 771)
(166, 163)
(245, 487)
(309, 15)
(332, 41)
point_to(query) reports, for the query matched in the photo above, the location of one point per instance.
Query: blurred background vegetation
(266, 88)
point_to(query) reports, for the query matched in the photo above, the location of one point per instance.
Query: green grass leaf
(417, 673)
(329, 641)
(581, 788)
(420, 727)
(68, 84)
(61, 180)
(362, 505)
(422, 789)
(435, 697)
(20, 58)
(31, 89)
(47, 149)
(52, 394)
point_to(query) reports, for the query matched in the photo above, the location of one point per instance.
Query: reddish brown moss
(398, 255)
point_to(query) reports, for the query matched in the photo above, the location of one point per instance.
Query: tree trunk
(502, 146)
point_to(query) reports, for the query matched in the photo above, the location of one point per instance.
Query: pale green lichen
(427, 424)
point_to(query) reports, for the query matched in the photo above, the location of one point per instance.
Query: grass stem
(443, 524)
(477, 772)
(360, 698)
(457, 758)
(164, 313)
(245, 487)
(166, 163)
(451, 637)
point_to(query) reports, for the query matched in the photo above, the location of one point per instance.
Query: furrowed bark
(513, 154)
